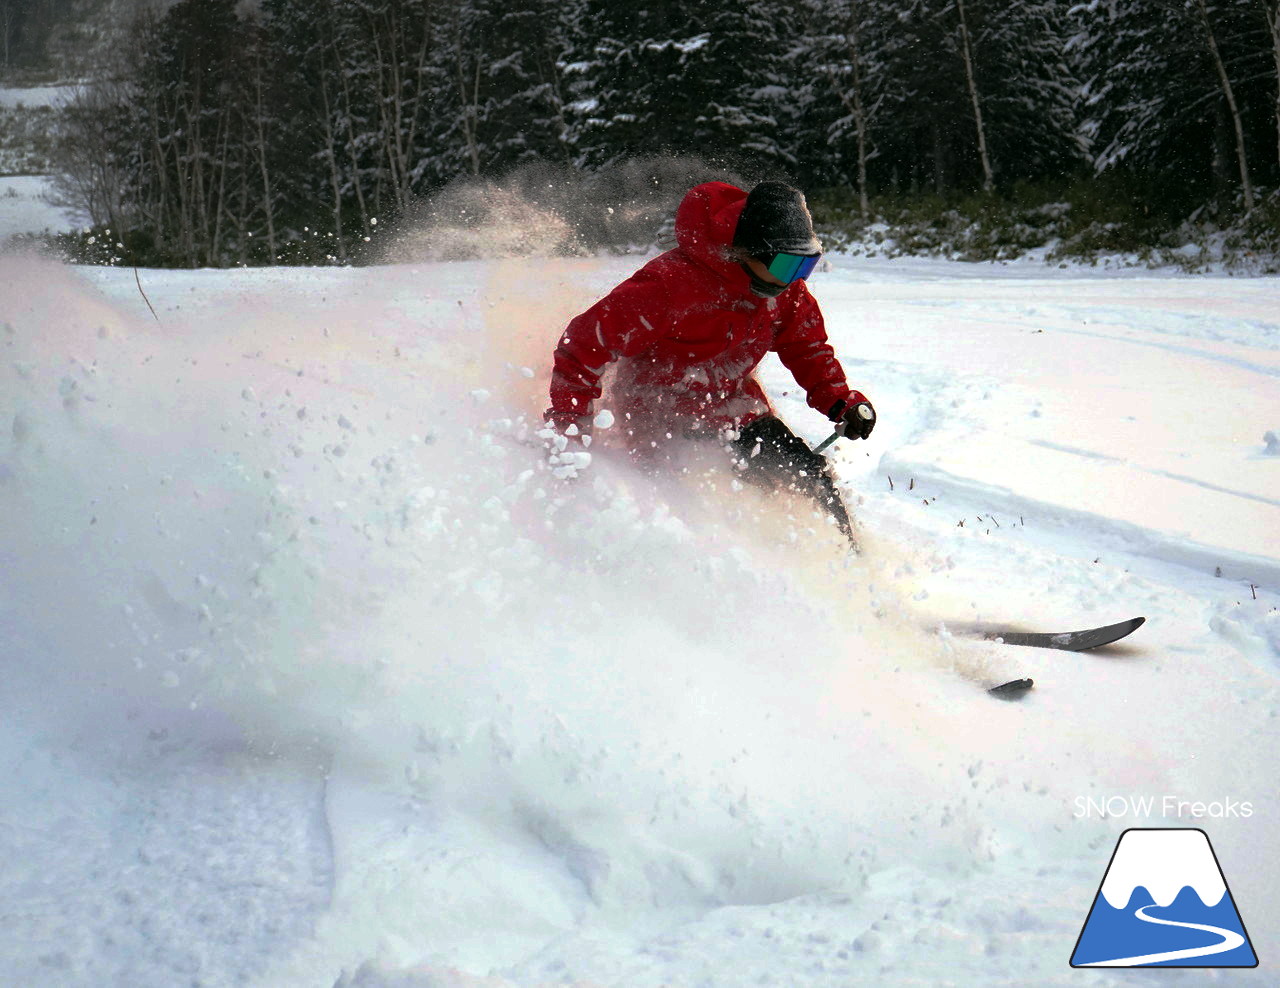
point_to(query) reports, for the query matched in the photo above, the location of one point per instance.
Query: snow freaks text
(1087, 807)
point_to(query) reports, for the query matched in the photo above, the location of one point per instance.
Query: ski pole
(827, 442)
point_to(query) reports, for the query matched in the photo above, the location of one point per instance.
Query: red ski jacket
(687, 333)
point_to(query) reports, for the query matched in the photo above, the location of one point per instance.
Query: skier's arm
(802, 347)
(625, 322)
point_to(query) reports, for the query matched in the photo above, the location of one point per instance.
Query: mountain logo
(1163, 902)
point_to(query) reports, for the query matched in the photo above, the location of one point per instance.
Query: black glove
(854, 416)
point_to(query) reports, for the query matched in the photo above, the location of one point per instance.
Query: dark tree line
(46, 40)
(230, 134)
(26, 27)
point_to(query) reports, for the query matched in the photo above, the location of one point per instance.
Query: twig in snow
(138, 279)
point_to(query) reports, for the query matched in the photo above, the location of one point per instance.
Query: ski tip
(1067, 641)
(1013, 690)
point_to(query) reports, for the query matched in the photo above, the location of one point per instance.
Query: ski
(1013, 690)
(1069, 641)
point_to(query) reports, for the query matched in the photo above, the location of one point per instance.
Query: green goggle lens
(792, 267)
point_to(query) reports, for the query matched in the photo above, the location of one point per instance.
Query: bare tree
(966, 52)
(352, 144)
(6, 28)
(469, 88)
(260, 143)
(90, 161)
(401, 38)
(1271, 12)
(331, 159)
(1202, 9)
(853, 99)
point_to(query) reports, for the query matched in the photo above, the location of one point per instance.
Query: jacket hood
(705, 223)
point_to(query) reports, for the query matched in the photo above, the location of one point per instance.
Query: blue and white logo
(1164, 903)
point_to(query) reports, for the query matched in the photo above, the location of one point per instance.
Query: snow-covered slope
(26, 206)
(36, 96)
(312, 672)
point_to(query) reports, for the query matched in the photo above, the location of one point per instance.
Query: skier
(687, 330)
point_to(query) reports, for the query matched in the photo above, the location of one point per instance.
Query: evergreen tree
(229, 135)
(186, 126)
(499, 96)
(522, 114)
(670, 78)
(1270, 10)
(737, 83)
(931, 143)
(1030, 93)
(312, 148)
(843, 91)
(1174, 91)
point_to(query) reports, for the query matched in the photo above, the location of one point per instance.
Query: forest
(222, 133)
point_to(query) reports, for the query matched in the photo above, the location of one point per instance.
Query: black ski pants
(776, 457)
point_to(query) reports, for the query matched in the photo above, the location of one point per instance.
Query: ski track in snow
(315, 676)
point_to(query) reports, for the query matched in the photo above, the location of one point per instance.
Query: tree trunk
(420, 69)
(182, 177)
(1271, 11)
(199, 201)
(242, 214)
(1227, 91)
(389, 96)
(223, 167)
(854, 103)
(259, 112)
(469, 100)
(470, 109)
(939, 156)
(966, 50)
(1220, 166)
(353, 149)
(398, 55)
(160, 168)
(550, 74)
(335, 179)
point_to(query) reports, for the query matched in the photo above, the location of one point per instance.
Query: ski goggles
(790, 267)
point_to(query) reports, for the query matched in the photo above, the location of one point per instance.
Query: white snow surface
(314, 674)
(33, 96)
(27, 206)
